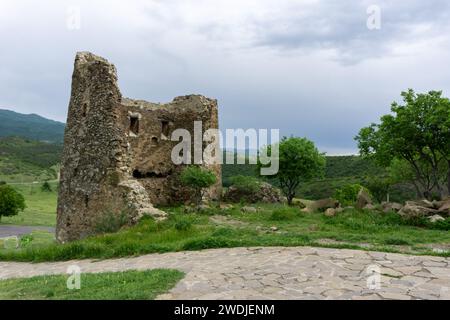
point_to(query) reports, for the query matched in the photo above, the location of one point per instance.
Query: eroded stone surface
(277, 273)
(117, 151)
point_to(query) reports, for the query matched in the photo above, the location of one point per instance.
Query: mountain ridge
(30, 126)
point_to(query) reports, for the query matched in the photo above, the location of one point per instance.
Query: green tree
(198, 179)
(417, 132)
(379, 187)
(299, 161)
(347, 195)
(11, 201)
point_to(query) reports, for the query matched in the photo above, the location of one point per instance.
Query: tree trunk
(289, 199)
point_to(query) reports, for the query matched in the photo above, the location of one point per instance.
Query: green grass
(129, 285)
(41, 206)
(350, 229)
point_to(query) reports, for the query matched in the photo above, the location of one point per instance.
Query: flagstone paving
(277, 273)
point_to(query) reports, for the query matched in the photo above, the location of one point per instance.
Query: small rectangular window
(134, 125)
(165, 128)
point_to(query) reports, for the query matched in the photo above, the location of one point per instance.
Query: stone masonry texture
(116, 159)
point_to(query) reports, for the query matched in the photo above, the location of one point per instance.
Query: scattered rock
(330, 212)
(412, 210)
(226, 207)
(391, 206)
(369, 207)
(266, 194)
(298, 203)
(421, 203)
(435, 218)
(445, 207)
(249, 209)
(307, 210)
(323, 204)
(273, 229)
(363, 199)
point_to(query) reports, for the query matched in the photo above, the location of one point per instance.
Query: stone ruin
(117, 151)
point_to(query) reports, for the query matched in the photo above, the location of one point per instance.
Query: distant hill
(24, 159)
(30, 126)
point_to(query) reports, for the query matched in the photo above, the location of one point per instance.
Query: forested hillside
(23, 159)
(30, 126)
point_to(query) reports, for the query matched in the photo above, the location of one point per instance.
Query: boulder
(249, 209)
(421, 203)
(307, 210)
(369, 207)
(435, 218)
(330, 212)
(323, 204)
(266, 194)
(298, 203)
(391, 206)
(411, 210)
(226, 206)
(445, 207)
(363, 199)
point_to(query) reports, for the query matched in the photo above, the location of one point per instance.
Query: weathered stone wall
(117, 151)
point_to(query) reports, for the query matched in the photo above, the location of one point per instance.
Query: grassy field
(41, 206)
(129, 285)
(273, 225)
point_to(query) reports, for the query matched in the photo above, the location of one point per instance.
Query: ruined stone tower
(117, 151)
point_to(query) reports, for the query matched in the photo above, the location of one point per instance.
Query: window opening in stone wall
(134, 125)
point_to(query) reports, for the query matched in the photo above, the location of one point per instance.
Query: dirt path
(11, 230)
(277, 273)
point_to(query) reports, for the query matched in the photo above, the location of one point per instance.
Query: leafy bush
(243, 189)
(46, 187)
(198, 179)
(283, 214)
(11, 201)
(348, 194)
(246, 184)
(379, 187)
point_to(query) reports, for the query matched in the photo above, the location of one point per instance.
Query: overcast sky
(311, 68)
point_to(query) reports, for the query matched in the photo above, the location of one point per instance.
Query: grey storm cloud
(310, 68)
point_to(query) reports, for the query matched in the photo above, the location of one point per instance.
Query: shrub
(198, 179)
(46, 187)
(11, 201)
(348, 194)
(243, 189)
(283, 214)
(379, 187)
(246, 184)
(111, 221)
(183, 225)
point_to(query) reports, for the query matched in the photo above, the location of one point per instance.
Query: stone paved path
(277, 273)
(11, 230)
